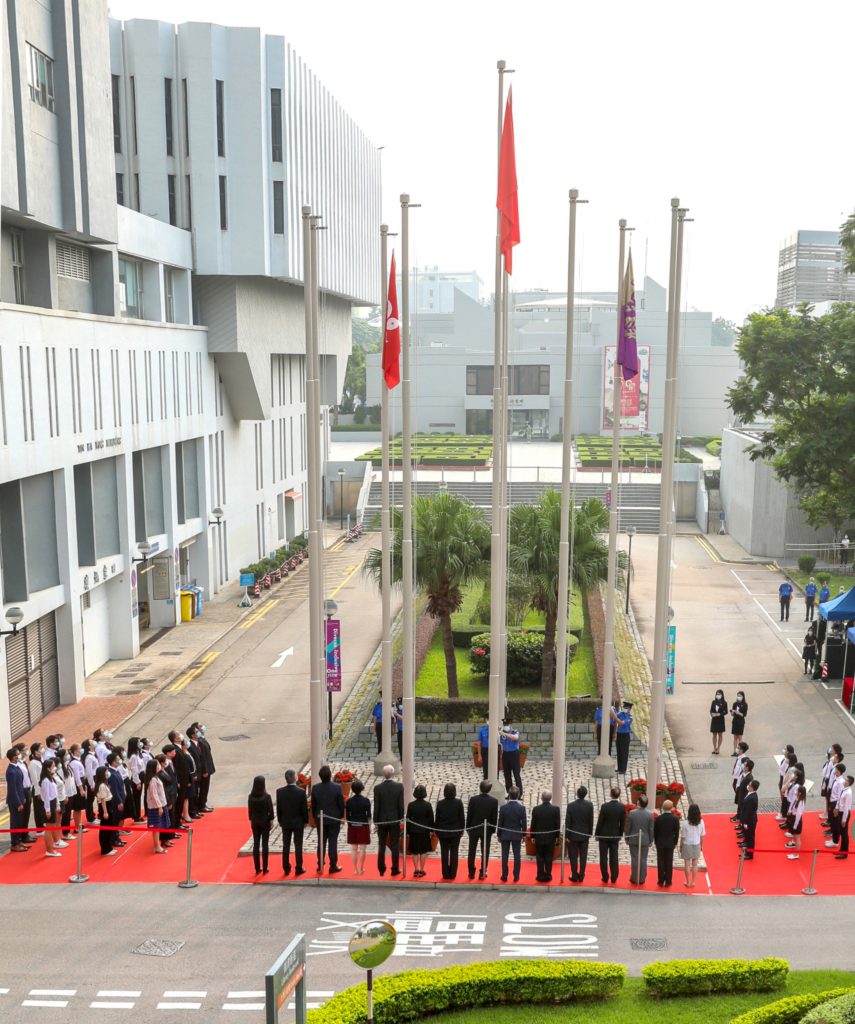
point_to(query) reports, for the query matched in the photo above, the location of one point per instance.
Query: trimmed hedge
(441, 709)
(525, 657)
(702, 977)
(464, 635)
(836, 1011)
(412, 995)
(790, 1010)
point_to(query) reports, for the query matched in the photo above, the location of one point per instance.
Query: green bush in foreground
(836, 1011)
(700, 977)
(790, 1010)
(412, 995)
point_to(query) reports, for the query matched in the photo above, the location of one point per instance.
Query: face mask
(828, 752)
(719, 696)
(66, 759)
(108, 735)
(204, 729)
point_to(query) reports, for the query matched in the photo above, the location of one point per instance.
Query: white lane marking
(117, 993)
(110, 1004)
(53, 992)
(58, 1003)
(246, 995)
(247, 1006)
(4, 991)
(179, 1006)
(182, 994)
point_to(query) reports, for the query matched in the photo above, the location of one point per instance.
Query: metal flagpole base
(603, 767)
(384, 758)
(498, 790)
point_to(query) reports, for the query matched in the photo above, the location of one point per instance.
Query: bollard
(404, 851)
(737, 890)
(79, 877)
(188, 882)
(810, 891)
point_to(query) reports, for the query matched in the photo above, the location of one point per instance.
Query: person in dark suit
(482, 808)
(666, 835)
(15, 801)
(450, 823)
(610, 826)
(578, 829)
(292, 813)
(183, 766)
(545, 828)
(260, 810)
(639, 839)
(206, 768)
(170, 791)
(388, 815)
(328, 799)
(510, 830)
(743, 784)
(116, 806)
(748, 818)
(420, 824)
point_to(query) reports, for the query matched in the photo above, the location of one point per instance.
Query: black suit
(482, 807)
(578, 828)
(748, 818)
(327, 798)
(170, 789)
(292, 813)
(388, 815)
(206, 769)
(610, 826)
(449, 822)
(742, 791)
(545, 827)
(666, 835)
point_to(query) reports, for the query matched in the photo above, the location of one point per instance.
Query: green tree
(534, 552)
(723, 332)
(354, 377)
(847, 240)
(451, 543)
(799, 381)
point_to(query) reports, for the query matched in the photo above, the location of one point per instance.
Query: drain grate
(126, 693)
(158, 947)
(649, 945)
(698, 765)
(234, 739)
(170, 654)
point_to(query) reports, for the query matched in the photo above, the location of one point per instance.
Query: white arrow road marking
(280, 661)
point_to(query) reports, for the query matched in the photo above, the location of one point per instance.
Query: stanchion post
(563, 848)
(484, 848)
(737, 890)
(188, 882)
(404, 851)
(810, 891)
(321, 841)
(79, 877)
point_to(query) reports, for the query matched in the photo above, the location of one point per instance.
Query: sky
(741, 109)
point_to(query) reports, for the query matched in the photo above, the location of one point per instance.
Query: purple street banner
(333, 654)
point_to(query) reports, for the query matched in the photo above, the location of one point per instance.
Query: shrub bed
(525, 657)
(836, 1011)
(266, 565)
(412, 995)
(438, 450)
(701, 977)
(790, 1010)
(435, 709)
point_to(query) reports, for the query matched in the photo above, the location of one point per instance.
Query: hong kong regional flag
(392, 335)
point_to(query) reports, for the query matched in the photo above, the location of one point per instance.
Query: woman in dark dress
(420, 824)
(809, 650)
(718, 709)
(260, 809)
(739, 712)
(357, 811)
(450, 821)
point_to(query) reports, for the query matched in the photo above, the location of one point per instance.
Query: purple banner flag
(627, 353)
(333, 653)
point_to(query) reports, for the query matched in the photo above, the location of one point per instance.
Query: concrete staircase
(638, 503)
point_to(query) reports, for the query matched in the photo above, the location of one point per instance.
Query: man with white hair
(545, 826)
(388, 815)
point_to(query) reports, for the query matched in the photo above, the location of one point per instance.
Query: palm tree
(451, 542)
(534, 543)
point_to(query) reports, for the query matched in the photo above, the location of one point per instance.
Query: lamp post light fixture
(144, 549)
(14, 616)
(631, 531)
(341, 499)
(217, 513)
(330, 608)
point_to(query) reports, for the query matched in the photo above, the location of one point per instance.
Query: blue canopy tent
(841, 609)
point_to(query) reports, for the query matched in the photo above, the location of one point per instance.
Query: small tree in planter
(304, 781)
(344, 778)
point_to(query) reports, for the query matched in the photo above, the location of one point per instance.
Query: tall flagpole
(604, 766)
(559, 732)
(666, 501)
(497, 557)
(313, 453)
(385, 756)
(409, 740)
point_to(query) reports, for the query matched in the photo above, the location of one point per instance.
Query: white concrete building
(810, 269)
(452, 370)
(152, 350)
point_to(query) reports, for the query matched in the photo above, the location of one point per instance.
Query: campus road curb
(503, 887)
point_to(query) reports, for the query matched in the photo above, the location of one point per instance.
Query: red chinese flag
(506, 200)
(392, 335)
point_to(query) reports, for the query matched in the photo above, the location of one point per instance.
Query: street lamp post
(341, 499)
(630, 532)
(330, 608)
(14, 616)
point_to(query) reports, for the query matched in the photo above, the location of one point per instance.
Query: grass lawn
(834, 583)
(634, 1005)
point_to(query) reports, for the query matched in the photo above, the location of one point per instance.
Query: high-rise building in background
(810, 269)
(152, 345)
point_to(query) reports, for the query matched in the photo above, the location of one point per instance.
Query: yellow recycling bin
(188, 599)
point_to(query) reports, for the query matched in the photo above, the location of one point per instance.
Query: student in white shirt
(35, 768)
(136, 767)
(24, 769)
(90, 766)
(49, 797)
(844, 811)
(102, 748)
(692, 832)
(78, 779)
(837, 787)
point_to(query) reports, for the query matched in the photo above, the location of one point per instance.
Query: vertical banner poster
(670, 661)
(635, 394)
(333, 650)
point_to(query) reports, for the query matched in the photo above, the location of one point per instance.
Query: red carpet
(219, 836)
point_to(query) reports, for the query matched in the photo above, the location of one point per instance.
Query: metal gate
(32, 673)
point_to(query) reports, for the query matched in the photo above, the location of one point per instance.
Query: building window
(72, 261)
(120, 189)
(189, 201)
(17, 239)
(479, 380)
(117, 116)
(130, 289)
(40, 78)
(134, 119)
(170, 186)
(528, 380)
(184, 108)
(167, 101)
(221, 119)
(169, 285)
(224, 208)
(278, 208)
(276, 125)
